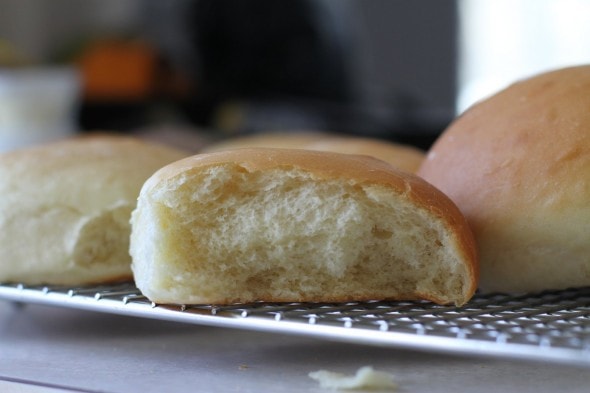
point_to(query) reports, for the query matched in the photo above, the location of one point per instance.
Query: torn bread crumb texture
(366, 378)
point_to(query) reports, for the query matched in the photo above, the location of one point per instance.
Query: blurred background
(191, 71)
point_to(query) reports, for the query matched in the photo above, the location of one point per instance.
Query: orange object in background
(117, 70)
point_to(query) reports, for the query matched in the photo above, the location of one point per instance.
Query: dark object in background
(267, 51)
(381, 68)
(282, 64)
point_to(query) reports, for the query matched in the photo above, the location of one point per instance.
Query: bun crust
(518, 166)
(296, 225)
(65, 208)
(279, 140)
(403, 157)
(407, 158)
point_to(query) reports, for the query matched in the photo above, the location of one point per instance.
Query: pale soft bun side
(518, 166)
(65, 208)
(295, 225)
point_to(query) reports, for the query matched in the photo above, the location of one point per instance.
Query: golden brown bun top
(88, 149)
(283, 140)
(526, 147)
(353, 169)
(107, 166)
(404, 157)
(401, 156)
(324, 165)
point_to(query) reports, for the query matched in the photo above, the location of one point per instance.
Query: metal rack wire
(552, 326)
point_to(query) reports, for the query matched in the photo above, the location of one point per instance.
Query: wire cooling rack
(548, 326)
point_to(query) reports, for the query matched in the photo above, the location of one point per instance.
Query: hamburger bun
(518, 166)
(404, 157)
(267, 224)
(65, 208)
(283, 140)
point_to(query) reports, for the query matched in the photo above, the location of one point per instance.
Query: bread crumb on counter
(366, 378)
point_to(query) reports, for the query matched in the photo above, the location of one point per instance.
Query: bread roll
(404, 157)
(283, 140)
(65, 208)
(518, 166)
(295, 225)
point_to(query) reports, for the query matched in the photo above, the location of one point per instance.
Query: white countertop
(89, 351)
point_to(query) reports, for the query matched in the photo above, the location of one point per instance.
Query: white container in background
(37, 105)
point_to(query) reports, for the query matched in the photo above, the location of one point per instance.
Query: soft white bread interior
(518, 166)
(296, 225)
(65, 208)
(405, 157)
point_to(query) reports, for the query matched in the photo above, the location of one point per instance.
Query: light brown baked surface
(297, 225)
(280, 140)
(518, 166)
(402, 156)
(65, 208)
